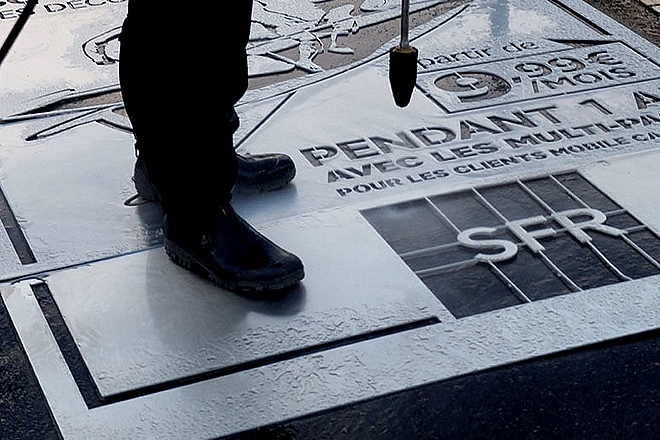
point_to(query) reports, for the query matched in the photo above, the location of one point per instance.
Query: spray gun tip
(403, 73)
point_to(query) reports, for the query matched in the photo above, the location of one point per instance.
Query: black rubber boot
(232, 254)
(264, 172)
(256, 173)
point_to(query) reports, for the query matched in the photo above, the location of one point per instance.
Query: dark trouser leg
(179, 111)
(186, 144)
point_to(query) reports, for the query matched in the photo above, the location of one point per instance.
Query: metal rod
(405, 23)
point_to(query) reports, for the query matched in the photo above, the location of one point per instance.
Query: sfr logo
(574, 221)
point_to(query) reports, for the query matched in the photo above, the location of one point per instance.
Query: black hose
(18, 27)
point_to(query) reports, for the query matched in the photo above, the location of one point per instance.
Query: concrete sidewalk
(482, 263)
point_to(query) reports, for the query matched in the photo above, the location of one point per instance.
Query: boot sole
(188, 261)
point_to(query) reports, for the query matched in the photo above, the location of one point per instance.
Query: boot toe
(264, 172)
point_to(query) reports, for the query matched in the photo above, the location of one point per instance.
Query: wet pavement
(482, 263)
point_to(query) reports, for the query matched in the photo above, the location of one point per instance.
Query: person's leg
(164, 99)
(155, 86)
(188, 154)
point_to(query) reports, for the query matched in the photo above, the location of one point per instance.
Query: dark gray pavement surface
(634, 14)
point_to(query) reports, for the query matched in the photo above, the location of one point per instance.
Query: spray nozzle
(403, 62)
